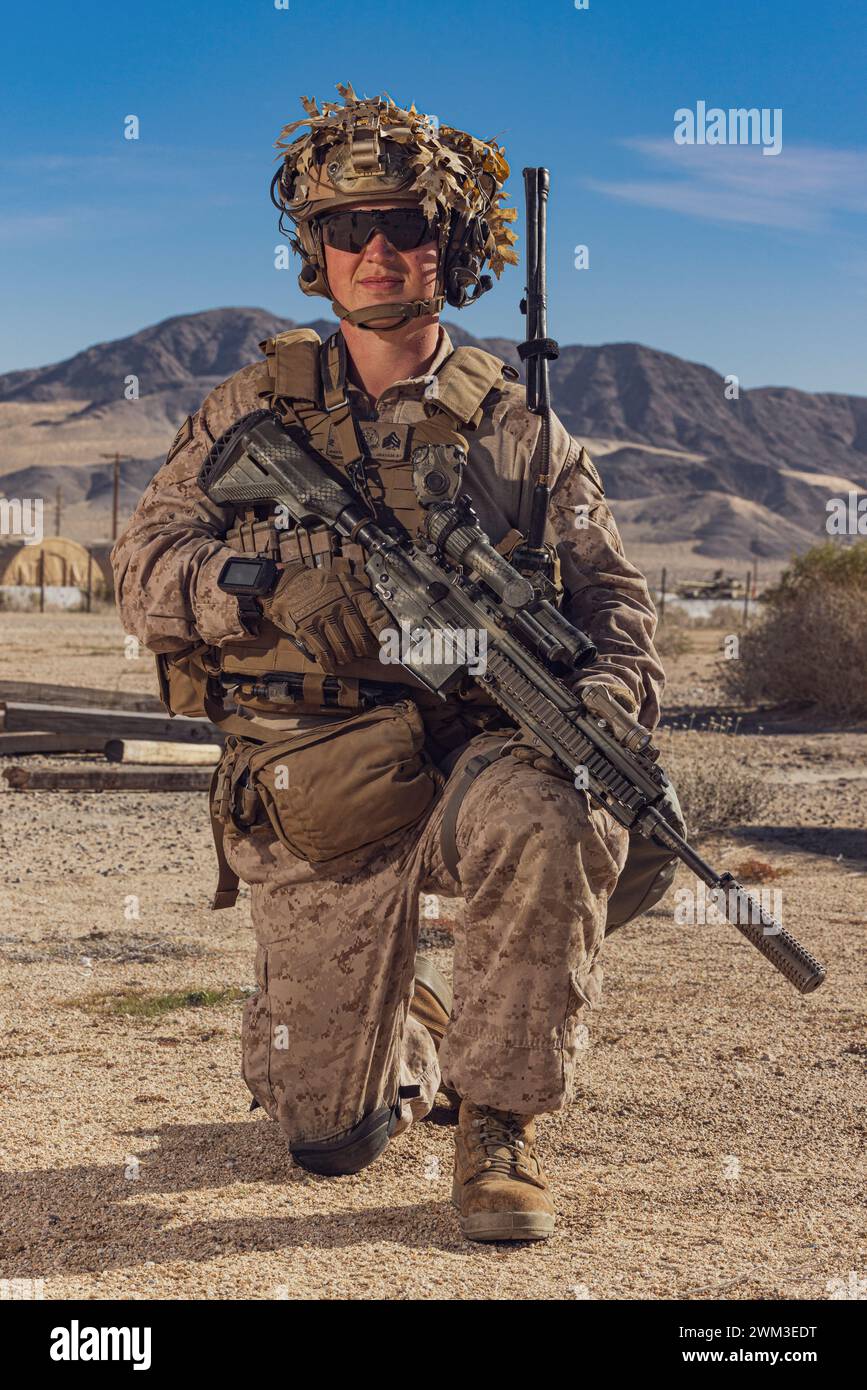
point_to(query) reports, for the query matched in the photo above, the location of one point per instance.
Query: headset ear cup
(312, 278)
(453, 260)
(465, 257)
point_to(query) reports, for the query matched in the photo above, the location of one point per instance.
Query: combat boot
(432, 1006)
(499, 1187)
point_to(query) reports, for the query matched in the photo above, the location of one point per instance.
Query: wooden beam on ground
(143, 751)
(105, 777)
(19, 717)
(34, 692)
(33, 742)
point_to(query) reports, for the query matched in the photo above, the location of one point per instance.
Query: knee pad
(358, 1148)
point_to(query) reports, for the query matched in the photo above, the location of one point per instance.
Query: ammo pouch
(183, 679)
(332, 789)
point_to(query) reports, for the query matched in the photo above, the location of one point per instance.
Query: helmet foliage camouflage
(371, 151)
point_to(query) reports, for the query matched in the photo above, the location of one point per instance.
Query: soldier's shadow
(835, 842)
(55, 1221)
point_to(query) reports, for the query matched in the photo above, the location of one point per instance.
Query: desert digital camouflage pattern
(327, 1038)
(536, 864)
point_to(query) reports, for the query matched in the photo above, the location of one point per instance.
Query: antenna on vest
(534, 556)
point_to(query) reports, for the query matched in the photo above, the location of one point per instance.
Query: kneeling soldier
(345, 790)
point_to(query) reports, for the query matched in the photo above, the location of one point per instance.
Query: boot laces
(500, 1137)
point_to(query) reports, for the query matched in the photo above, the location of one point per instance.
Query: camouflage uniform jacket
(171, 552)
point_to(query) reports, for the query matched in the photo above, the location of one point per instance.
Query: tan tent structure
(56, 560)
(101, 550)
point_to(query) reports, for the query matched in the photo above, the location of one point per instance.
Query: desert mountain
(724, 478)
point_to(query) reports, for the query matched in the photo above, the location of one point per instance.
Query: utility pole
(58, 506)
(115, 494)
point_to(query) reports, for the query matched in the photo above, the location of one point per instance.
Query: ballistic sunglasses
(405, 228)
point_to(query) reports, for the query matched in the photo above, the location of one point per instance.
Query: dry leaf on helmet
(451, 169)
(280, 142)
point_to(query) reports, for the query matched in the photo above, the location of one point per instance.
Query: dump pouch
(335, 788)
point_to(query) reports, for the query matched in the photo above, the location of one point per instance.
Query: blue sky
(756, 265)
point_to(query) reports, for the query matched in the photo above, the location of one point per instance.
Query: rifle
(455, 583)
(532, 556)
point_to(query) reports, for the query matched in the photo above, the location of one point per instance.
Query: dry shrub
(674, 615)
(757, 871)
(671, 641)
(713, 780)
(810, 645)
(726, 615)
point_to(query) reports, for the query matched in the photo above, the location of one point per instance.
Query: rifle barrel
(536, 186)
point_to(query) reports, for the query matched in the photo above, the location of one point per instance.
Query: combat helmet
(370, 150)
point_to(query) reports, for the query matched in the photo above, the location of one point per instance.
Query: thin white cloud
(28, 227)
(802, 187)
(57, 163)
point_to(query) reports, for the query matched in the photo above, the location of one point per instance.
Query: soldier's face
(379, 274)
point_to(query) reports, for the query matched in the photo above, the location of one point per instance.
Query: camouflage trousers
(328, 1038)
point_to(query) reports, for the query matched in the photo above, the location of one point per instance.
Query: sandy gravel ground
(714, 1146)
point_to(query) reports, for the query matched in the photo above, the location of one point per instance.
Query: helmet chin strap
(403, 312)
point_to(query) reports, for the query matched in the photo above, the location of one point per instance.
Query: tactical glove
(329, 612)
